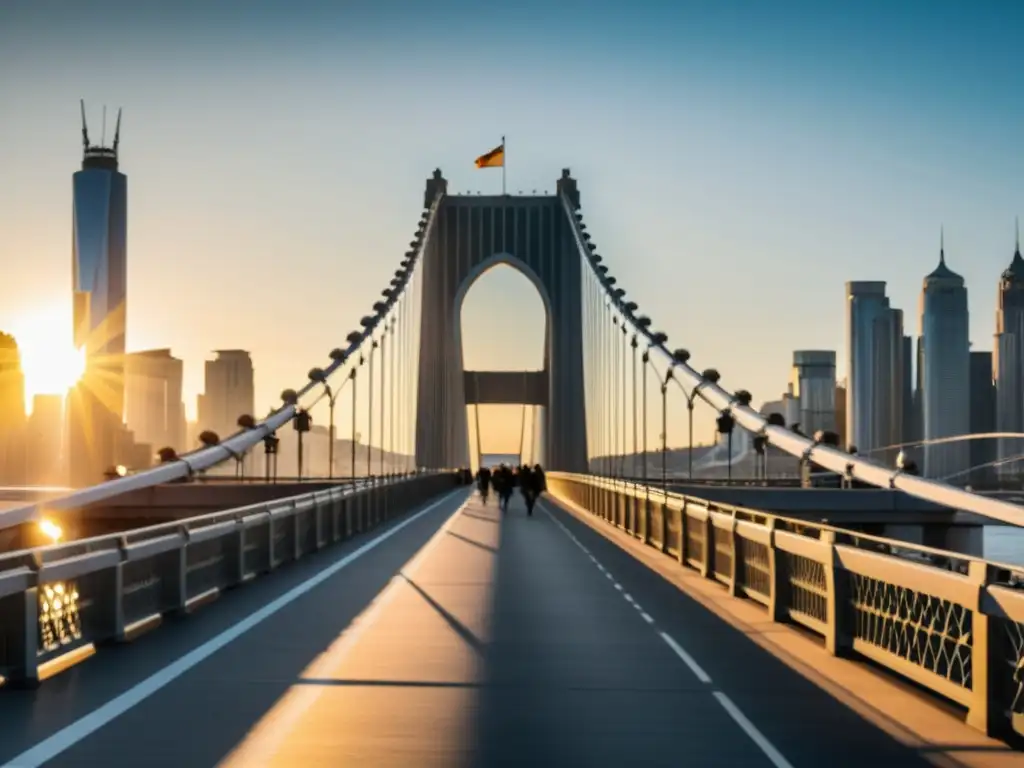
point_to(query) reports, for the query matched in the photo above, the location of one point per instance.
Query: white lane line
(70, 735)
(629, 598)
(751, 730)
(618, 586)
(688, 660)
(726, 703)
(267, 737)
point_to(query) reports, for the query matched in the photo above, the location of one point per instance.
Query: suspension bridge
(391, 617)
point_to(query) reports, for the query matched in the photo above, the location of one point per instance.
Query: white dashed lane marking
(769, 750)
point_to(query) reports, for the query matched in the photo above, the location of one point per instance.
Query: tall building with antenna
(1008, 362)
(99, 283)
(945, 374)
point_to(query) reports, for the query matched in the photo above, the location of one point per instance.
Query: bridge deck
(514, 641)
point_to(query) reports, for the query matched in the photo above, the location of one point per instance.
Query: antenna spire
(85, 127)
(117, 132)
(942, 244)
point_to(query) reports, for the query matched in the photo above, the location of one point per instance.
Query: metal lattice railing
(951, 623)
(57, 599)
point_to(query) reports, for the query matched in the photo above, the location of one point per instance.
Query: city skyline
(934, 147)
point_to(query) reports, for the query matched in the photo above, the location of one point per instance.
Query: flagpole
(504, 162)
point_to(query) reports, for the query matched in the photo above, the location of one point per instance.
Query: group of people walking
(505, 480)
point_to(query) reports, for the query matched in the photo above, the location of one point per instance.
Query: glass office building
(99, 292)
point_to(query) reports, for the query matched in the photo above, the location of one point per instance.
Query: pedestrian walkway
(476, 638)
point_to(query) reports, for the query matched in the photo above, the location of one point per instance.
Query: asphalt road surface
(457, 636)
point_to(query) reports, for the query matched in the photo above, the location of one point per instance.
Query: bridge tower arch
(470, 235)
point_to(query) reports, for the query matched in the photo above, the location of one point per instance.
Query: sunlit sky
(738, 161)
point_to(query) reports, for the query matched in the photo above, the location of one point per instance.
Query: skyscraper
(945, 375)
(813, 381)
(1008, 362)
(99, 268)
(888, 397)
(983, 418)
(43, 443)
(12, 413)
(875, 367)
(228, 392)
(153, 407)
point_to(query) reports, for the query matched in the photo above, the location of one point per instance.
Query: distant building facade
(44, 441)
(229, 392)
(154, 409)
(99, 294)
(983, 419)
(813, 381)
(877, 370)
(1008, 364)
(12, 413)
(945, 374)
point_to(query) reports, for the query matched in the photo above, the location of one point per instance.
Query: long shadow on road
(806, 726)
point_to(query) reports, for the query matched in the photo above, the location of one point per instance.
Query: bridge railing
(951, 623)
(62, 600)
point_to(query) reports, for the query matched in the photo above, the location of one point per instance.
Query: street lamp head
(630, 307)
(338, 355)
(246, 421)
(681, 356)
(596, 258)
(167, 455)
(368, 322)
(603, 269)
(380, 307)
(415, 244)
(354, 338)
(610, 280)
(317, 375)
(643, 322)
(209, 438)
(290, 397)
(743, 397)
(396, 281)
(826, 437)
(658, 338)
(776, 419)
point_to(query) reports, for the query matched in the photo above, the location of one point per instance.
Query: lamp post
(381, 308)
(709, 376)
(270, 443)
(727, 424)
(302, 424)
(664, 429)
(625, 344)
(352, 446)
(319, 376)
(245, 421)
(391, 402)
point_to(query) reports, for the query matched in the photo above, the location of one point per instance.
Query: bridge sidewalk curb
(909, 717)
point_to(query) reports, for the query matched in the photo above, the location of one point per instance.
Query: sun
(49, 360)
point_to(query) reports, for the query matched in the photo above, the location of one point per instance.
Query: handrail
(739, 511)
(205, 458)
(796, 445)
(57, 550)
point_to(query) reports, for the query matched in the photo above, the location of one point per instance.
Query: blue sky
(738, 161)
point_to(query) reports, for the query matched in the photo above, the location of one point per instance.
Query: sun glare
(48, 357)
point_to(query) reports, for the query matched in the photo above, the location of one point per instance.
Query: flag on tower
(493, 159)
